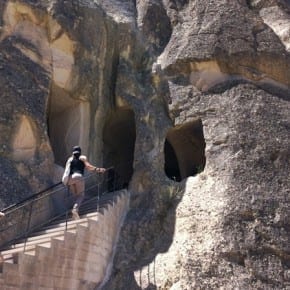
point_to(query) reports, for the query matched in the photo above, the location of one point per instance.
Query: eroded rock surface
(196, 94)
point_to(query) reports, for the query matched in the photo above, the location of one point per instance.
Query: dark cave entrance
(171, 163)
(67, 123)
(119, 143)
(184, 150)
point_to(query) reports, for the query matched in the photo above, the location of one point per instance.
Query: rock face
(195, 94)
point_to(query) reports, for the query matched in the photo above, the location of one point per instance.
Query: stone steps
(45, 236)
(53, 230)
(72, 255)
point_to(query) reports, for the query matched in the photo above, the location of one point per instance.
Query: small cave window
(119, 136)
(184, 150)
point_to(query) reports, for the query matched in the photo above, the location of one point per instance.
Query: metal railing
(51, 204)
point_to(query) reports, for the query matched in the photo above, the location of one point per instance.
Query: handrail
(47, 205)
(38, 194)
(30, 197)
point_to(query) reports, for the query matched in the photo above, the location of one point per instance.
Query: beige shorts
(76, 184)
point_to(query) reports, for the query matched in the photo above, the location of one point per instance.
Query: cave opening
(184, 150)
(119, 136)
(67, 122)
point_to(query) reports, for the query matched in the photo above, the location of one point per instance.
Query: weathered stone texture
(70, 69)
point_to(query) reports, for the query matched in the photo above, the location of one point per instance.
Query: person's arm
(68, 162)
(66, 172)
(91, 167)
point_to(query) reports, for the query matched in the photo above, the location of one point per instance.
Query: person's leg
(72, 184)
(80, 193)
(72, 188)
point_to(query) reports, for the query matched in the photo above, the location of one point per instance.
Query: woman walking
(73, 177)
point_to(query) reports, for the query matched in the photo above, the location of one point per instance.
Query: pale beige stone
(63, 61)
(206, 74)
(25, 140)
(16, 11)
(54, 29)
(22, 21)
(279, 21)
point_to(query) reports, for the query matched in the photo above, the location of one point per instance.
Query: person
(73, 177)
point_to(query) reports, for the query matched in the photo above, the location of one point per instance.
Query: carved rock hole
(119, 142)
(68, 124)
(184, 150)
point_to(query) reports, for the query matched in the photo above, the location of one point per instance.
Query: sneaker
(75, 214)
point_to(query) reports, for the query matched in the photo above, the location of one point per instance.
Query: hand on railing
(100, 169)
(2, 214)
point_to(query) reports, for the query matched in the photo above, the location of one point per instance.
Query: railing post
(154, 277)
(114, 181)
(66, 206)
(28, 225)
(140, 277)
(98, 198)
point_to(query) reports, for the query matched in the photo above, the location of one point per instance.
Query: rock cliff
(188, 100)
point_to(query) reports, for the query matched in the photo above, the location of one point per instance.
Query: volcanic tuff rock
(195, 94)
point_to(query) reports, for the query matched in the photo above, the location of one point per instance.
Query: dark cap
(76, 149)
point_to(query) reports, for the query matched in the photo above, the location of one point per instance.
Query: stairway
(72, 255)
